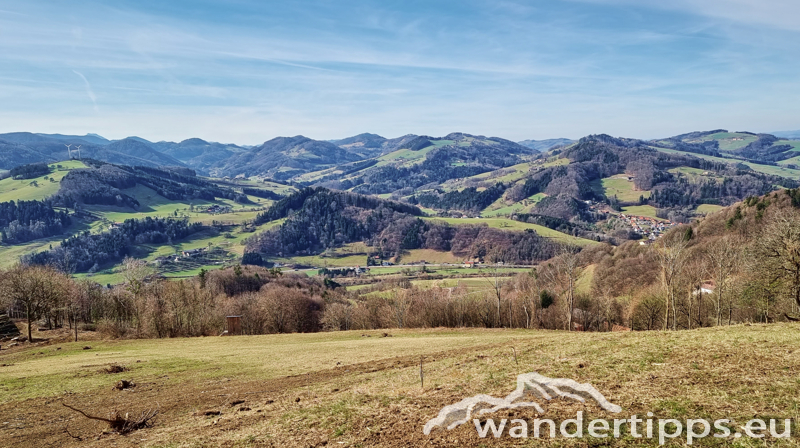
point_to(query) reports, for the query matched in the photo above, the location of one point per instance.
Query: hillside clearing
(705, 209)
(642, 210)
(510, 224)
(766, 169)
(37, 188)
(499, 208)
(619, 186)
(345, 388)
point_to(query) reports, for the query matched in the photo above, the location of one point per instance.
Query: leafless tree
(565, 273)
(39, 289)
(778, 250)
(723, 259)
(136, 272)
(670, 252)
(400, 301)
(493, 276)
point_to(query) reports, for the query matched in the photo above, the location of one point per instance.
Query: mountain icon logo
(530, 386)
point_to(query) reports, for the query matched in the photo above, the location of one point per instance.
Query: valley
(457, 180)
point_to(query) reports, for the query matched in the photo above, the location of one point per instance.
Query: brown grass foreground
(362, 389)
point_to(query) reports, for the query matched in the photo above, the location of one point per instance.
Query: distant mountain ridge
(19, 148)
(546, 145)
(758, 148)
(793, 135)
(284, 157)
(302, 159)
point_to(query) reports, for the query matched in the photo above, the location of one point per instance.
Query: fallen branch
(120, 424)
(790, 318)
(78, 438)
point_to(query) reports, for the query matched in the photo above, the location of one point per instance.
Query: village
(649, 228)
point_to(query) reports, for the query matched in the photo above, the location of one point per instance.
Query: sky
(246, 71)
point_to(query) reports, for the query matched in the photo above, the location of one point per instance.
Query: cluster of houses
(189, 253)
(649, 228)
(217, 209)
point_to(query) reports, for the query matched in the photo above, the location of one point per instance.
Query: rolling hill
(284, 158)
(546, 145)
(764, 149)
(20, 148)
(198, 154)
(599, 188)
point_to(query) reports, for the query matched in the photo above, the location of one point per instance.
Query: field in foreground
(363, 388)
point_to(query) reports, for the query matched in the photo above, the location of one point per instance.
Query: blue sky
(245, 71)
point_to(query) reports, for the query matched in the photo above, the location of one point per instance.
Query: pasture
(510, 224)
(363, 388)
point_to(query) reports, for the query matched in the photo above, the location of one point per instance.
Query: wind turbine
(68, 151)
(79, 152)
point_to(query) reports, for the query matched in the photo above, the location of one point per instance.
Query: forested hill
(601, 156)
(319, 219)
(19, 148)
(284, 157)
(103, 183)
(759, 148)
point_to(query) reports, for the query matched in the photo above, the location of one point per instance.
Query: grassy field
(407, 157)
(360, 388)
(517, 172)
(620, 187)
(708, 208)
(641, 210)
(505, 210)
(37, 188)
(151, 205)
(555, 162)
(510, 224)
(154, 205)
(429, 256)
(472, 284)
(766, 169)
(729, 141)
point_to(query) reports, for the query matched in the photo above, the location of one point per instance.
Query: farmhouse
(193, 252)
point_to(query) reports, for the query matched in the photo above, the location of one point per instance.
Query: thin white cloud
(782, 14)
(89, 90)
(4, 11)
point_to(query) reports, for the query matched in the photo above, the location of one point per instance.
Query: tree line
(86, 251)
(102, 183)
(318, 219)
(747, 254)
(23, 221)
(30, 171)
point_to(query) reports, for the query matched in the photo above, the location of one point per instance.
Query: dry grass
(347, 389)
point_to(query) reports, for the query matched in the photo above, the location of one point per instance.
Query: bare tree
(778, 250)
(493, 276)
(400, 301)
(566, 272)
(723, 259)
(136, 272)
(38, 289)
(670, 252)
